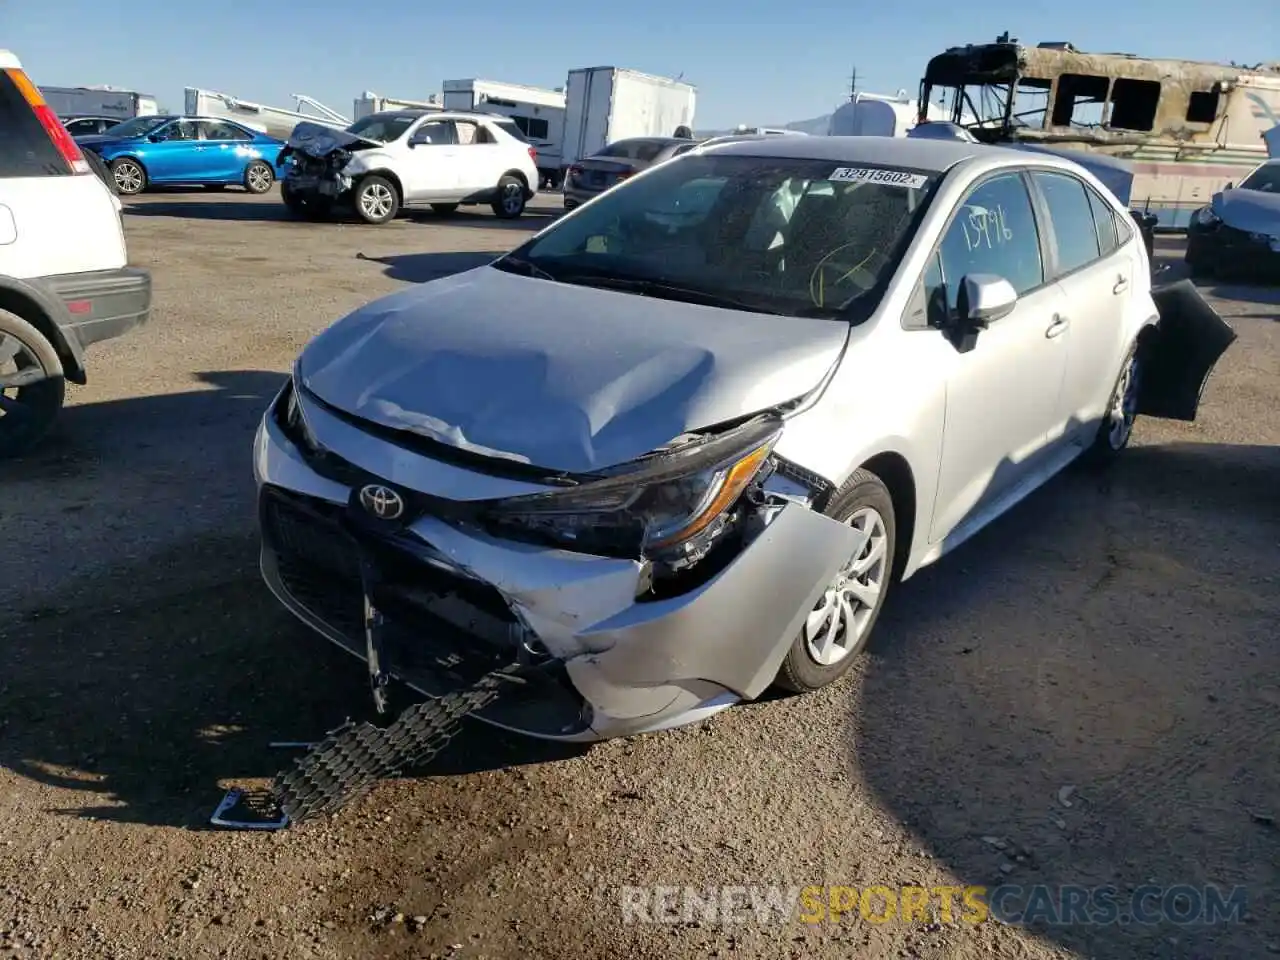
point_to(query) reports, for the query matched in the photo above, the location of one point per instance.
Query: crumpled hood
(318, 140)
(1250, 210)
(563, 377)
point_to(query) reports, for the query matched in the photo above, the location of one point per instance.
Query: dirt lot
(1116, 636)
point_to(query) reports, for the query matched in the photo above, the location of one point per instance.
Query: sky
(752, 62)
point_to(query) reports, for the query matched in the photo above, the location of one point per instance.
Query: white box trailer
(607, 104)
(99, 102)
(369, 103)
(537, 111)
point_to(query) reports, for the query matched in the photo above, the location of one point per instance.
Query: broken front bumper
(461, 602)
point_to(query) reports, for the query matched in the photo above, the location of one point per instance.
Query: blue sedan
(186, 150)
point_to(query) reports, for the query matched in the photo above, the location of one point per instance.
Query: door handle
(1122, 284)
(1058, 327)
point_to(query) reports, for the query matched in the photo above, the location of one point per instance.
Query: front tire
(129, 175)
(376, 199)
(258, 177)
(32, 388)
(840, 626)
(510, 200)
(1116, 428)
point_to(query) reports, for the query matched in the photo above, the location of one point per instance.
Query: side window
(435, 132)
(994, 231)
(467, 132)
(178, 130)
(1071, 219)
(1104, 222)
(218, 130)
(538, 128)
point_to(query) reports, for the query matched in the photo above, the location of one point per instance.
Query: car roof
(8, 61)
(935, 155)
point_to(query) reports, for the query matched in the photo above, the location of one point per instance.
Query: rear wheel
(376, 199)
(509, 203)
(129, 176)
(1116, 428)
(258, 177)
(840, 626)
(32, 388)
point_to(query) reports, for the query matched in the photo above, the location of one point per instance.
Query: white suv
(409, 158)
(64, 279)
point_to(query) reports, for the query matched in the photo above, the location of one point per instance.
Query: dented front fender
(1188, 341)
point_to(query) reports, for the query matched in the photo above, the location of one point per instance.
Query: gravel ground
(1088, 693)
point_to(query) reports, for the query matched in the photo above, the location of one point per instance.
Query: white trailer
(99, 102)
(369, 103)
(537, 111)
(607, 104)
(273, 121)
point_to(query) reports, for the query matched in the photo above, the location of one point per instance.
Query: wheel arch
(386, 174)
(519, 175)
(32, 306)
(896, 474)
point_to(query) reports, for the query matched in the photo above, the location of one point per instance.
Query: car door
(1002, 390)
(480, 158)
(431, 162)
(171, 157)
(1095, 273)
(223, 149)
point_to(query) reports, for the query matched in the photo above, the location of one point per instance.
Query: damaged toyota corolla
(679, 447)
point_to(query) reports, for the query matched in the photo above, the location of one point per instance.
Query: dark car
(89, 124)
(595, 174)
(1238, 234)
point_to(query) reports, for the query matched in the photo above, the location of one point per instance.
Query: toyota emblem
(383, 502)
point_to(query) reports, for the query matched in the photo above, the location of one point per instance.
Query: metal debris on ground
(353, 758)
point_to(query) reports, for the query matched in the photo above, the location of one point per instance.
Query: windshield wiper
(519, 265)
(666, 291)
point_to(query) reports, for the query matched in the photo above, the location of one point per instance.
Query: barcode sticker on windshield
(890, 178)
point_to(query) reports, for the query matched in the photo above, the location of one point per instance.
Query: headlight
(1207, 218)
(671, 504)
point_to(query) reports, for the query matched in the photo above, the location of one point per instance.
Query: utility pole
(853, 82)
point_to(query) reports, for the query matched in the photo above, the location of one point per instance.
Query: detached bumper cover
(618, 666)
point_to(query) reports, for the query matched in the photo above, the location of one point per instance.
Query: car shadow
(421, 267)
(1085, 698)
(151, 685)
(238, 210)
(482, 217)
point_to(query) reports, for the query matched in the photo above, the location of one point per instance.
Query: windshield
(381, 128)
(137, 127)
(795, 237)
(1265, 178)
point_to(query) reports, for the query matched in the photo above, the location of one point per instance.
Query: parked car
(64, 280)
(1238, 233)
(409, 158)
(171, 150)
(616, 162)
(79, 126)
(671, 461)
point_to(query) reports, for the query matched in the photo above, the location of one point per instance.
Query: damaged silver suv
(681, 445)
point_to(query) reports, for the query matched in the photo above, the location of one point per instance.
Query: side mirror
(153, 137)
(983, 299)
(1229, 186)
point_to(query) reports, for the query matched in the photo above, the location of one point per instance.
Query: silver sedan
(680, 446)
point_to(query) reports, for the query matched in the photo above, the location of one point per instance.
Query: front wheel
(258, 177)
(129, 176)
(32, 388)
(509, 203)
(840, 626)
(376, 199)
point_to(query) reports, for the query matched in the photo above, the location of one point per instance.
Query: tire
(1116, 428)
(130, 176)
(376, 199)
(27, 412)
(258, 177)
(510, 200)
(444, 209)
(865, 501)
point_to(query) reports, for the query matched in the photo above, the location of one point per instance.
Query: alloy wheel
(840, 620)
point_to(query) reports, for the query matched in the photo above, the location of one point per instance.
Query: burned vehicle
(679, 447)
(387, 161)
(1187, 127)
(1237, 235)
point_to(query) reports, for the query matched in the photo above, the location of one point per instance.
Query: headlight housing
(671, 505)
(291, 421)
(1207, 218)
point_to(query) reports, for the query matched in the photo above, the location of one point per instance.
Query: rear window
(25, 147)
(646, 150)
(509, 126)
